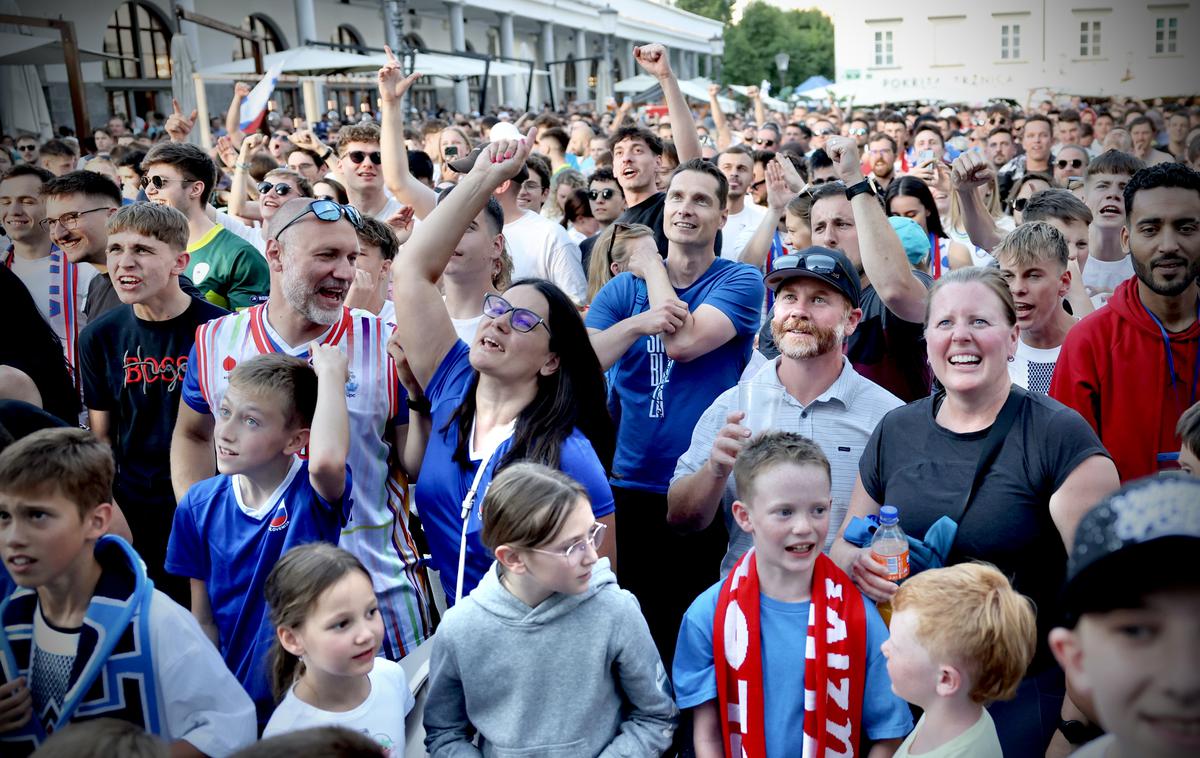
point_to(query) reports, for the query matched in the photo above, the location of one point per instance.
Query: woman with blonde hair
(562, 184)
(611, 253)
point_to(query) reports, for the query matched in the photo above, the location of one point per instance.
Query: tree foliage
(765, 30)
(720, 10)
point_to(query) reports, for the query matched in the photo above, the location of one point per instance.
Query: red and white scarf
(835, 663)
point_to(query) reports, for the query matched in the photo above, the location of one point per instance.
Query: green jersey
(228, 271)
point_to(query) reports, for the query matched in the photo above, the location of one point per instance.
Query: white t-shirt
(252, 234)
(380, 716)
(393, 207)
(466, 328)
(733, 237)
(48, 279)
(542, 249)
(1100, 278)
(1033, 367)
(979, 741)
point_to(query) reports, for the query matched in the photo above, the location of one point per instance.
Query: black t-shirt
(650, 213)
(134, 370)
(102, 296)
(585, 251)
(884, 348)
(925, 470)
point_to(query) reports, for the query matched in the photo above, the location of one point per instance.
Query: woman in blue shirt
(528, 387)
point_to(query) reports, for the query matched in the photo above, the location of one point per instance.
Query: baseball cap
(1141, 538)
(829, 266)
(504, 130)
(912, 236)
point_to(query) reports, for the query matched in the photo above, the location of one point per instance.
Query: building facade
(573, 38)
(961, 50)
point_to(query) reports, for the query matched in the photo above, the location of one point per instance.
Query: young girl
(539, 659)
(328, 632)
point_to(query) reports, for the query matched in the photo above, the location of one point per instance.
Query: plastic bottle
(889, 547)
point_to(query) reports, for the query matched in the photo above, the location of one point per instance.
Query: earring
(1012, 358)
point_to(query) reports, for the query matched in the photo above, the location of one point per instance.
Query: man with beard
(816, 309)
(881, 159)
(311, 249)
(1131, 368)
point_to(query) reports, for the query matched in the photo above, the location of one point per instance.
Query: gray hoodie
(575, 677)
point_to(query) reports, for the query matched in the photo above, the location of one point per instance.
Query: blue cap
(913, 237)
(888, 514)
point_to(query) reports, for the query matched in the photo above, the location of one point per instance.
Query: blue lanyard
(1171, 360)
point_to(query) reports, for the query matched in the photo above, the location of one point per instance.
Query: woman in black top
(31, 346)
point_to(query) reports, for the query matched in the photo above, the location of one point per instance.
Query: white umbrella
(22, 102)
(183, 88)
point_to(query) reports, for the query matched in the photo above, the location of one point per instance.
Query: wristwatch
(865, 187)
(328, 154)
(421, 405)
(1079, 732)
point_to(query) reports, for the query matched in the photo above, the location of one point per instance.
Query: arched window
(137, 32)
(265, 28)
(348, 39)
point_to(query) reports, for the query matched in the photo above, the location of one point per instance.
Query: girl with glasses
(548, 656)
(529, 385)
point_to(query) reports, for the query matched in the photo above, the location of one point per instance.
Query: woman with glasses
(548, 656)
(277, 187)
(529, 385)
(1023, 189)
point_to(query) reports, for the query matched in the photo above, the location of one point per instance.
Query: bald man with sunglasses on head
(312, 246)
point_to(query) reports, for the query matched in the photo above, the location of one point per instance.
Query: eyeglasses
(576, 552)
(817, 263)
(1020, 203)
(765, 142)
(819, 181)
(1073, 163)
(68, 220)
(522, 319)
(997, 120)
(533, 185)
(27, 148)
(604, 194)
(281, 189)
(358, 156)
(758, 184)
(326, 210)
(159, 182)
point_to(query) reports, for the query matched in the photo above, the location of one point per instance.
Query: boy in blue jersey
(231, 529)
(85, 635)
(763, 687)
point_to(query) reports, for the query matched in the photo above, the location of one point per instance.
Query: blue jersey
(783, 628)
(445, 482)
(661, 399)
(231, 548)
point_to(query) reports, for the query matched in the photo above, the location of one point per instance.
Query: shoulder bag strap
(993, 442)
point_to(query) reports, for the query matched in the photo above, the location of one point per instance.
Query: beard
(1145, 274)
(823, 339)
(302, 298)
(882, 169)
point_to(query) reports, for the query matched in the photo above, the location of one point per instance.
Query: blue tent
(812, 82)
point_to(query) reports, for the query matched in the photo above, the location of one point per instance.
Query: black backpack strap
(993, 442)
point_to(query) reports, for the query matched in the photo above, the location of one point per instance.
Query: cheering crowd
(278, 417)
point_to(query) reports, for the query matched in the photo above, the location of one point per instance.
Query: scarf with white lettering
(835, 663)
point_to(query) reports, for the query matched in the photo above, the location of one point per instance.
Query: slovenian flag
(254, 107)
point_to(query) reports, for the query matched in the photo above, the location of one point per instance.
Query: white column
(583, 68)
(546, 83)
(508, 88)
(606, 80)
(306, 22)
(458, 43)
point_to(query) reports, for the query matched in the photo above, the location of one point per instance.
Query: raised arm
(780, 191)
(422, 322)
(622, 111)
(233, 117)
(760, 111)
(724, 136)
(329, 438)
(969, 172)
(883, 257)
(239, 187)
(392, 86)
(654, 60)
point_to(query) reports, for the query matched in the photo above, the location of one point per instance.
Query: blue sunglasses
(326, 210)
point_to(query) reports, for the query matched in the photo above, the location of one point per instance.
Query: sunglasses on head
(160, 182)
(1073, 163)
(818, 263)
(604, 194)
(522, 319)
(281, 189)
(326, 210)
(358, 156)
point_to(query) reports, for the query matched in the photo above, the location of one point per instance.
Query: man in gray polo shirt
(816, 308)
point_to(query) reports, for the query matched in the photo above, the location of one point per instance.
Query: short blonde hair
(971, 615)
(614, 241)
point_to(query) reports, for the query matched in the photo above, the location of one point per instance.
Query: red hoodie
(1113, 370)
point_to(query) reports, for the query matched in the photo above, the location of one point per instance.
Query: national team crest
(280, 521)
